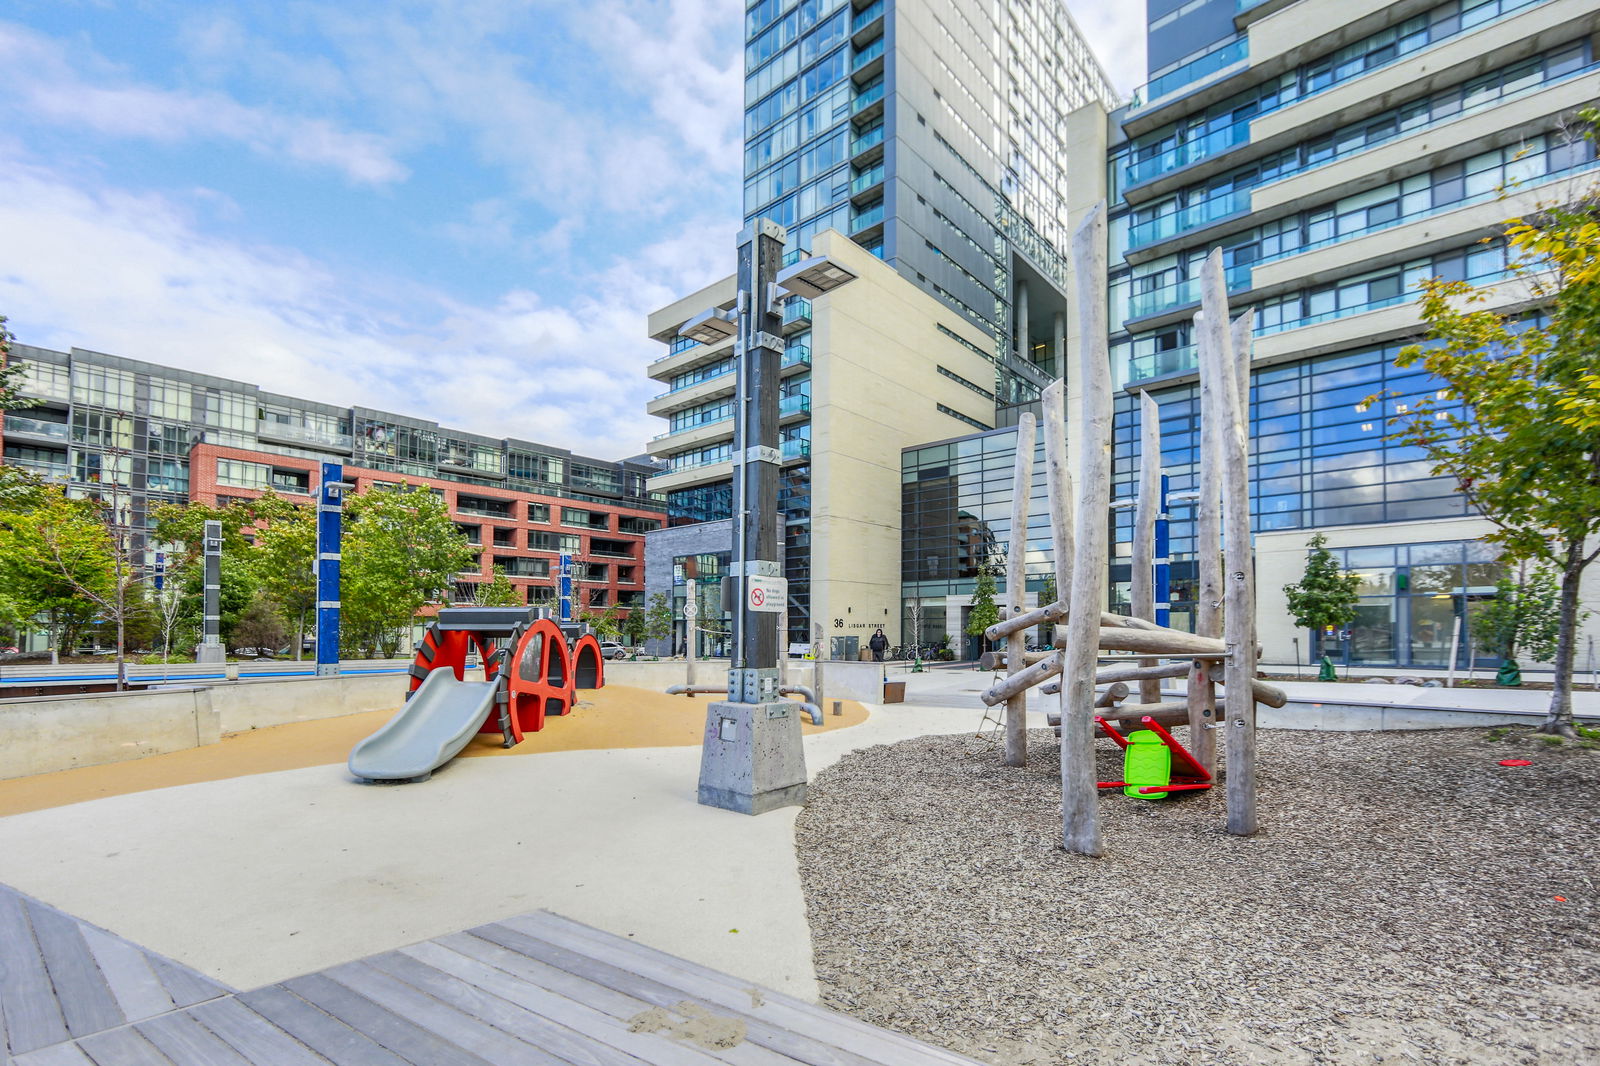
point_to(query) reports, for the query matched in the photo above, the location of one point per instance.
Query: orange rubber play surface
(611, 717)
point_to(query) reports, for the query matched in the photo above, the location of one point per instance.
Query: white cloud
(1115, 30)
(45, 84)
(135, 275)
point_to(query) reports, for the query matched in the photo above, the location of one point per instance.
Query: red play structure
(1151, 777)
(535, 666)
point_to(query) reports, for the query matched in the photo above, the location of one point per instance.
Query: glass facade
(1411, 598)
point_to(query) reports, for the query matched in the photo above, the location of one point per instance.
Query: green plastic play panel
(1146, 761)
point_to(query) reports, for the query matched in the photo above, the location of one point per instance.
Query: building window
(239, 474)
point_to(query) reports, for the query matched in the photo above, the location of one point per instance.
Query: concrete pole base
(209, 653)
(752, 759)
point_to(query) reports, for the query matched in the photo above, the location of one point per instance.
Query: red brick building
(523, 533)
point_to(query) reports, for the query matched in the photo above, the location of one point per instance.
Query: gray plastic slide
(437, 722)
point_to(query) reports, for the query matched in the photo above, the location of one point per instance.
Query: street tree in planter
(985, 612)
(1525, 615)
(1326, 596)
(1505, 416)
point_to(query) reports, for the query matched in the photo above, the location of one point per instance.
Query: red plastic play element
(588, 665)
(1516, 762)
(540, 679)
(1194, 778)
(449, 649)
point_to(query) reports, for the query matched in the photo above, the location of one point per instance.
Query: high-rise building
(932, 133)
(1338, 153)
(139, 435)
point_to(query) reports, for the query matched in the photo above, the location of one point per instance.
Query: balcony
(304, 436)
(794, 450)
(794, 255)
(867, 184)
(868, 103)
(793, 406)
(1214, 143)
(484, 512)
(865, 220)
(1183, 294)
(868, 62)
(1193, 217)
(799, 355)
(1190, 74)
(48, 471)
(796, 314)
(872, 13)
(38, 428)
(867, 148)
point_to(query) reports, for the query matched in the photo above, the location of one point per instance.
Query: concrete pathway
(256, 879)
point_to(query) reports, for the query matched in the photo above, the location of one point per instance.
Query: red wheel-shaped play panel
(588, 664)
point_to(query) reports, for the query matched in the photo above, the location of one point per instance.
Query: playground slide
(436, 723)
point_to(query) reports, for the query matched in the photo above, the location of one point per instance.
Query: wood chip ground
(1399, 905)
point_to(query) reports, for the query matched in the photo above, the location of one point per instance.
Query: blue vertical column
(566, 588)
(1163, 583)
(330, 529)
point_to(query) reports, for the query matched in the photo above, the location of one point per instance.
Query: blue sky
(457, 209)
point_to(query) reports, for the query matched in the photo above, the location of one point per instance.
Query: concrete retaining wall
(51, 733)
(257, 704)
(42, 735)
(844, 680)
(1356, 716)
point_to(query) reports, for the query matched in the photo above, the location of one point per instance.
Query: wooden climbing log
(1141, 673)
(1111, 695)
(1201, 717)
(1132, 712)
(1265, 692)
(1023, 680)
(1142, 595)
(1223, 407)
(1027, 620)
(1080, 805)
(1162, 642)
(1016, 746)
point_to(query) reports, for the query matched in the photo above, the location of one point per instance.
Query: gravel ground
(1397, 907)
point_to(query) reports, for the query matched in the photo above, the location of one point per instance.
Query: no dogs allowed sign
(766, 594)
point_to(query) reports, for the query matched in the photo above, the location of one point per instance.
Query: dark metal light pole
(210, 649)
(752, 759)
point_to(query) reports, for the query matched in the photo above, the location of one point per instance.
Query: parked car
(610, 649)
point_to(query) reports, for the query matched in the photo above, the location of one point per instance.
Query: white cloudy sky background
(456, 209)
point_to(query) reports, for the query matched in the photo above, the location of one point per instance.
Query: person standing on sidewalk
(879, 644)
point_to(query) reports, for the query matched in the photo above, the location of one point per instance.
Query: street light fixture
(813, 277)
(710, 327)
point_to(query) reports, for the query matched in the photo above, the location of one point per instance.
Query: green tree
(497, 592)
(605, 621)
(285, 559)
(1524, 615)
(1504, 425)
(401, 551)
(239, 588)
(635, 626)
(985, 612)
(658, 620)
(1325, 596)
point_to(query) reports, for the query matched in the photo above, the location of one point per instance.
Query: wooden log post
(1222, 406)
(1167, 642)
(1001, 691)
(1016, 746)
(1080, 813)
(1053, 406)
(1142, 590)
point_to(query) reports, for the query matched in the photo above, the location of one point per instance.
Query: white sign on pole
(691, 610)
(766, 593)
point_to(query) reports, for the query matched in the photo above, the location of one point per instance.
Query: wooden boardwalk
(535, 989)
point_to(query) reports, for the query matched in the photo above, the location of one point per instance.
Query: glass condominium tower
(933, 132)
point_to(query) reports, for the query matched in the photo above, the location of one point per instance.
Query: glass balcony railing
(682, 344)
(49, 471)
(690, 427)
(867, 54)
(483, 512)
(799, 355)
(1213, 143)
(1192, 71)
(796, 449)
(870, 139)
(36, 427)
(1182, 294)
(796, 309)
(865, 181)
(873, 10)
(1192, 217)
(868, 218)
(794, 255)
(304, 434)
(694, 383)
(794, 405)
(867, 97)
